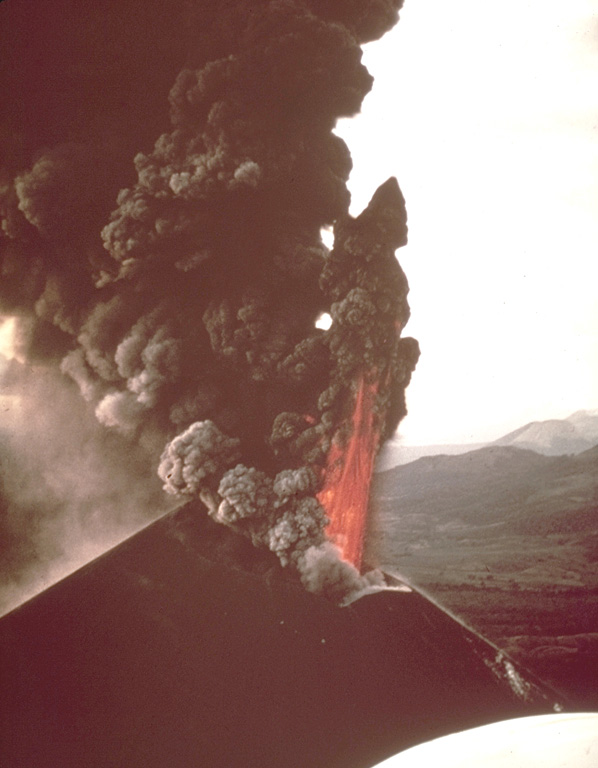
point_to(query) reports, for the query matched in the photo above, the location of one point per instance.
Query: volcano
(187, 646)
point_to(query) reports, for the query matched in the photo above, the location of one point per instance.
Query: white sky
(488, 116)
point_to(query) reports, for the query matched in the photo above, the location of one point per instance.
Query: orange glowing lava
(346, 491)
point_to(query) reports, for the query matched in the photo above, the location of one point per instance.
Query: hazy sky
(487, 115)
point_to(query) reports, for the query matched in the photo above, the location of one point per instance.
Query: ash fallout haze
(166, 175)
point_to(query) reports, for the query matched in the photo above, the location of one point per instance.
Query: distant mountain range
(554, 437)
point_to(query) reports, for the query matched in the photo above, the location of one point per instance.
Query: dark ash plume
(178, 285)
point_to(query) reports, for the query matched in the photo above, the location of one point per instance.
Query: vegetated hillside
(492, 486)
(556, 437)
(507, 538)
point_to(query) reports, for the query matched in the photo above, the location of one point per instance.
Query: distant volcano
(556, 437)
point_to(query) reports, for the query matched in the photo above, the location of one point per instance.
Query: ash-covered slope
(186, 646)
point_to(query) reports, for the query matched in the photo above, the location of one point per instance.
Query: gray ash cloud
(167, 174)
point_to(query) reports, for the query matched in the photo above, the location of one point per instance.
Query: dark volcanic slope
(158, 655)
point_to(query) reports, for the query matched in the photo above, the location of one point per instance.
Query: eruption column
(160, 242)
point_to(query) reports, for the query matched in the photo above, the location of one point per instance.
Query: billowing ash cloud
(165, 186)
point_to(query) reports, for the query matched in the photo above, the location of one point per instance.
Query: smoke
(166, 182)
(69, 488)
